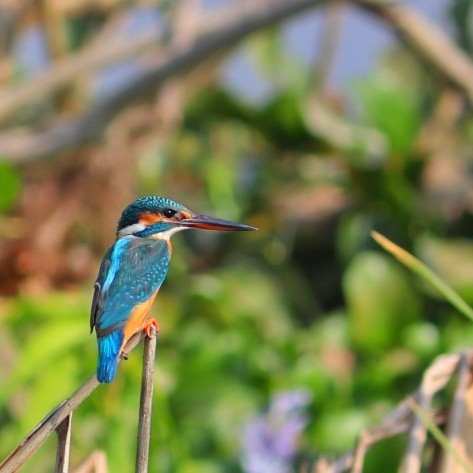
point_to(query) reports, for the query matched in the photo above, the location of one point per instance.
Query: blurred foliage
(10, 183)
(309, 301)
(462, 13)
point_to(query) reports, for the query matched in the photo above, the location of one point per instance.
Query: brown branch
(146, 404)
(353, 458)
(458, 430)
(63, 431)
(330, 40)
(17, 97)
(218, 32)
(11, 14)
(43, 430)
(221, 32)
(96, 462)
(402, 420)
(428, 41)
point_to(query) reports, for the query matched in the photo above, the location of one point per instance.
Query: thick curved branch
(67, 70)
(219, 31)
(429, 42)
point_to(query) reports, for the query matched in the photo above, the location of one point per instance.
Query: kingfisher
(132, 272)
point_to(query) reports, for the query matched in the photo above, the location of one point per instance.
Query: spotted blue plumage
(131, 271)
(134, 268)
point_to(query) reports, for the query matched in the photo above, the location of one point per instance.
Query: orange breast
(136, 320)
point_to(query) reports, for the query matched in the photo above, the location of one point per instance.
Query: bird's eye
(169, 213)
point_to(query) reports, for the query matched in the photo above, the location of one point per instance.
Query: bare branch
(430, 43)
(218, 32)
(458, 430)
(221, 31)
(68, 69)
(63, 431)
(41, 432)
(10, 15)
(146, 404)
(402, 420)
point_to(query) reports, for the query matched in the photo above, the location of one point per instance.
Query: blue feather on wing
(132, 270)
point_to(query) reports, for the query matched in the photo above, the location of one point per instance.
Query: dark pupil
(169, 213)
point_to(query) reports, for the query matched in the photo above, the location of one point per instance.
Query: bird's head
(161, 217)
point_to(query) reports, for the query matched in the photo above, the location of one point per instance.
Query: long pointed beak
(205, 222)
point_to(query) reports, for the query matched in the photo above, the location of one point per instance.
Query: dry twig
(53, 421)
(63, 431)
(146, 404)
(402, 420)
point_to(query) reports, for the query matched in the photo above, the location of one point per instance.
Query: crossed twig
(60, 418)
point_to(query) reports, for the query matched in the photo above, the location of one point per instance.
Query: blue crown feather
(150, 203)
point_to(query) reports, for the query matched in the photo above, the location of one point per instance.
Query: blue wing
(131, 271)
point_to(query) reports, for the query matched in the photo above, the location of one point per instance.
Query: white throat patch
(167, 234)
(136, 227)
(139, 227)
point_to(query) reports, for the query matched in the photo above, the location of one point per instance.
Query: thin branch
(372, 436)
(330, 40)
(458, 431)
(146, 404)
(108, 52)
(440, 437)
(63, 431)
(435, 378)
(402, 420)
(43, 430)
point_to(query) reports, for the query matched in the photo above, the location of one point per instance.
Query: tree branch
(63, 72)
(146, 404)
(43, 430)
(428, 41)
(222, 30)
(219, 31)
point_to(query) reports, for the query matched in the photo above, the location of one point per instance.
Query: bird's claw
(150, 327)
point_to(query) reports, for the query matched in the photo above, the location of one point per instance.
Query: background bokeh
(318, 127)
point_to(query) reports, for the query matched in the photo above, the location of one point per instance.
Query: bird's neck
(160, 230)
(167, 234)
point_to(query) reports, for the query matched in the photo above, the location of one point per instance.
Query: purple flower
(270, 439)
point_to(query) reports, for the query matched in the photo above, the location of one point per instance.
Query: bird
(132, 271)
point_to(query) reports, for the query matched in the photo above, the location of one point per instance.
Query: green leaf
(50, 342)
(393, 109)
(10, 185)
(380, 301)
(419, 268)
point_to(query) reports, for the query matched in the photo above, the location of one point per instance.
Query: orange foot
(149, 325)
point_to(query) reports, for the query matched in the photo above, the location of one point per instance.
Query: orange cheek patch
(150, 219)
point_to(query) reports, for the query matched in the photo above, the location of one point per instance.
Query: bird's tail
(109, 353)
